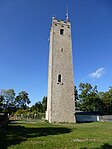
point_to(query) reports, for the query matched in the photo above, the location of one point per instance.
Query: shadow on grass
(17, 134)
(105, 146)
(2, 139)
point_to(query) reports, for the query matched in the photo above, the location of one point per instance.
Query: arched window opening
(61, 31)
(59, 78)
(61, 49)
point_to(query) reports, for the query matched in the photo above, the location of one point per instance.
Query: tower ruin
(61, 101)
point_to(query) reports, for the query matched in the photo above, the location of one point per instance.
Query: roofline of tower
(55, 20)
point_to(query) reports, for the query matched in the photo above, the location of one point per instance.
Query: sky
(24, 46)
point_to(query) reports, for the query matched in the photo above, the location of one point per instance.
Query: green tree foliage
(89, 97)
(1, 103)
(44, 104)
(40, 106)
(92, 100)
(22, 100)
(77, 101)
(8, 99)
(106, 101)
(1, 100)
(37, 107)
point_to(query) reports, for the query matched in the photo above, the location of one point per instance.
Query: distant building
(61, 101)
(87, 116)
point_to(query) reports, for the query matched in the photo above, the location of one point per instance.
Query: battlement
(61, 22)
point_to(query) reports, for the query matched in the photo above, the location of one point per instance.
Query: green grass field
(42, 135)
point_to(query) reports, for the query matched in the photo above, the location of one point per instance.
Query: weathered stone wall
(61, 104)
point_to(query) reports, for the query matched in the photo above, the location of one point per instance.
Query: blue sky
(24, 47)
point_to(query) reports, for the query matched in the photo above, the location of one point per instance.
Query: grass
(41, 135)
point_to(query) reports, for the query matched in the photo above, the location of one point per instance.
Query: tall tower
(61, 102)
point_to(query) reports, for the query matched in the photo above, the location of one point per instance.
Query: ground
(42, 135)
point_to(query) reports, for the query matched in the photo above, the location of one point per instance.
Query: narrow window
(61, 49)
(59, 78)
(61, 31)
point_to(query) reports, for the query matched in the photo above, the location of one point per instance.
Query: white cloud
(98, 73)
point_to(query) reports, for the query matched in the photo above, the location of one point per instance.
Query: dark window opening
(59, 78)
(61, 31)
(61, 49)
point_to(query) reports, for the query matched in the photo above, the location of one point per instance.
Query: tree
(8, 97)
(89, 97)
(107, 102)
(84, 89)
(77, 101)
(1, 103)
(22, 100)
(40, 106)
(37, 107)
(44, 104)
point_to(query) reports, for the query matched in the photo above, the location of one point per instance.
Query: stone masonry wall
(61, 104)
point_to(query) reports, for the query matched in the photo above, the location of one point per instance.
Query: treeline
(88, 98)
(10, 103)
(37, 111)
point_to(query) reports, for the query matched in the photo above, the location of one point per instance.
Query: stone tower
(61, 102)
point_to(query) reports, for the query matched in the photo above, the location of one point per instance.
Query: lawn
(42, 135)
